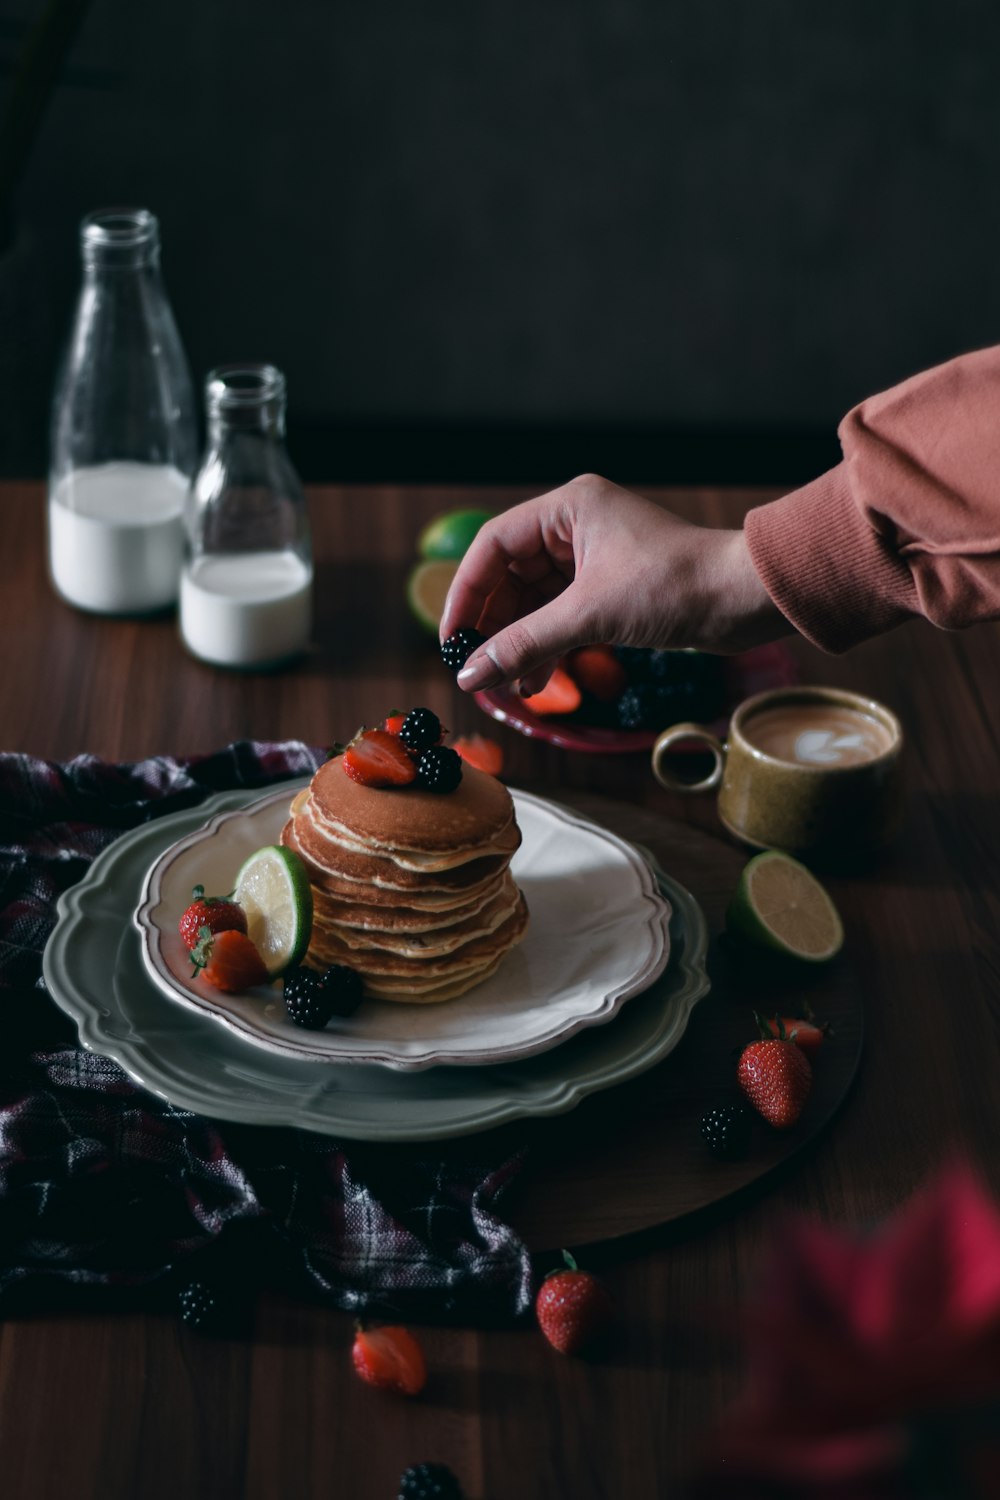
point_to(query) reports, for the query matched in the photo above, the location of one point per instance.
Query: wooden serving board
(632, 1159)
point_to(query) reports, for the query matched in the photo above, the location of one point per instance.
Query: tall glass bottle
(124, 429)
(246, 585)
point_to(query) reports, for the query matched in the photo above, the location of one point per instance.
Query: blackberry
(420, 729)
(726, 1130)
(636, 708)
(439, 769)
(429, 1482)
(343, 987)
(205, 1308)
(459, 647)
(307, 1001)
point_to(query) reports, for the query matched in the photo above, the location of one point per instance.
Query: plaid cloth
(104, 1185)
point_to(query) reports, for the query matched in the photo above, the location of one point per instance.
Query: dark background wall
(519, 239)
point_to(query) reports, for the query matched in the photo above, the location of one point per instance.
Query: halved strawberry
(390, 1358)
(394, 723)
(228, 960)
(599, 672)
(804, 1033)
(560, 695)
(377, 758)
(476, 750)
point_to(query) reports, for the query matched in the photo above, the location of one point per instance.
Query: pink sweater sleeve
(907, 524)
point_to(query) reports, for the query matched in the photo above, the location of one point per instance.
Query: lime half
(427, 589)
(781, 907)
(273, 889)
(450, 535)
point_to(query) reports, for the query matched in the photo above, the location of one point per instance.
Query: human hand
(590, 562)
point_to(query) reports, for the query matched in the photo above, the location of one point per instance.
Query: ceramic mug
(811, 770)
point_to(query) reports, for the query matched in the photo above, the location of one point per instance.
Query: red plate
(770, 666)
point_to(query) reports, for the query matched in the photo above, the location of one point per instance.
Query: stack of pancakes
(411, 888)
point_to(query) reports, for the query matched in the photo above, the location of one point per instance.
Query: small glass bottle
(246, 584)
(124, 431)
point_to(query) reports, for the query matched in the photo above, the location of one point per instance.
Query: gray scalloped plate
(94, 971)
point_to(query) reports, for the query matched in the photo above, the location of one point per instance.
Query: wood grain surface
(632, 1159)
(134, 1405)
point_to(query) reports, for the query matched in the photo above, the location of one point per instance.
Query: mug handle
(688, 732)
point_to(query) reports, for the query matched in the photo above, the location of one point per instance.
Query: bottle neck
(245, 401)
(125, 239)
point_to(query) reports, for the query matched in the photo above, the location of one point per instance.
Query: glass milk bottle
(246, 585)
(124, 432)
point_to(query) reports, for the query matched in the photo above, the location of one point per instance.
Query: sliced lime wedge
(780, 906)
(273, 889)
(427, 589)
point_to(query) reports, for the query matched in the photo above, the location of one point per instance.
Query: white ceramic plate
(94, 971)
(599, 933)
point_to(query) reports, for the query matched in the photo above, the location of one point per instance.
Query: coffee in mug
(818, 734)
(814, 771)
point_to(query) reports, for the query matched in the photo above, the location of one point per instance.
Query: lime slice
(273, 889)
(781, 907)
(427, 589)
(450, 535)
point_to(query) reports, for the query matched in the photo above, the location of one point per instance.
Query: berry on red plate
(390, 1359)
(377, 758)
(228, 960)
(217, 913)
(574, 1309)
(560, 695)
(599, 672)
(476, 750)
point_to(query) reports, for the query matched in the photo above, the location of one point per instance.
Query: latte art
(818, 734)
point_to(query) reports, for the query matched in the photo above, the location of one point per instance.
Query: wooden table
(135, 1405)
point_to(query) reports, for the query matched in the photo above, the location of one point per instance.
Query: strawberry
(390, 1358)
(573, 1308)
(394, 723)
(599, 672)
(776, 1077)
(804, 1033)
(476, 750)
(560, 695)
(377, 758)
(217, 913)
(228, 960)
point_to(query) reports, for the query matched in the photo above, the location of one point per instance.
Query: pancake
(411, 888)
(407, 818)
(342, 912)
(337, 840)
(382, 990)
(328, 948)
(329, 862)
(428, 944)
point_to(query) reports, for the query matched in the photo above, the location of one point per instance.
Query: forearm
(908, 524)
(730, 608)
